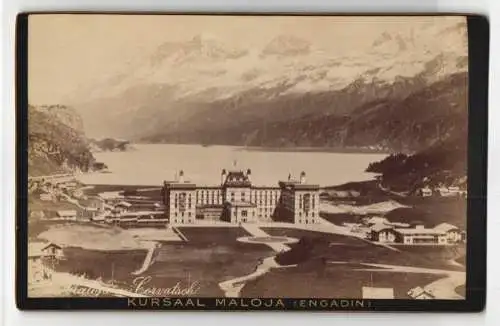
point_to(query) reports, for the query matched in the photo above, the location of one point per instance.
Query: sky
(70, 52)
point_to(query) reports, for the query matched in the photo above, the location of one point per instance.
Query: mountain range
(403, 93)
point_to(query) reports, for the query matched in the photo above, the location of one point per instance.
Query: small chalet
(53, 250)
(425, 192)
(452, 232)
(383, 233)
(39, 250)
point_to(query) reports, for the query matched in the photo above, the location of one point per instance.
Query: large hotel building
(236, 200)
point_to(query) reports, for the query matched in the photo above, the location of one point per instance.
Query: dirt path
(233, 287)
(147, 260)
(255, 231)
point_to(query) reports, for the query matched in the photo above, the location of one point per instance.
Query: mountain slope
(444, 163)
(397, 121)
(56, 143)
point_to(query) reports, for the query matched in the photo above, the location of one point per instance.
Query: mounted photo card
(251, 162)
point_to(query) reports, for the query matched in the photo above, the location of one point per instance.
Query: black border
(478, 40)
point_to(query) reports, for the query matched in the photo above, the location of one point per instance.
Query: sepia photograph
(241, 157)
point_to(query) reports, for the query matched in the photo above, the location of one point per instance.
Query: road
(390, 192)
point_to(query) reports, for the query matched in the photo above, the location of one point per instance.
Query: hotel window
(306, 201)
(242, 196)
(244, 213)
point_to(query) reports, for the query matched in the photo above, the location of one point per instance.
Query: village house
(46, 197)
(52, 250)
(440, 235)
(38, 252)
(138, 219)
(453, 233)
(122, 207)
(67, 215)
(425, 192)
(111, 198)
(37, 215)
(421, 235)
(452, 191)
(94, 206)
(383, 233)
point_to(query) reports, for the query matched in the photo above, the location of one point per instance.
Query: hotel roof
(298, 185)
(180, 185)
(124, 204)
(381, 227)
(445, 227)
(237, 179)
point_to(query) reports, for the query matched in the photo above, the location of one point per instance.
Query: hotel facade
(236, 200)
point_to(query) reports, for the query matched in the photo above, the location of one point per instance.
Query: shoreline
(318, 149)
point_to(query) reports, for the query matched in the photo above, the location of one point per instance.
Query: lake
(152, 163)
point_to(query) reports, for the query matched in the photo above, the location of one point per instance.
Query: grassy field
(337, 239)
(211, 256)
(207, 264)
(108, 265)
(429, 211)
(215, 235)
(49, 207)
(332, 282)
(350, 249)
(35, 228)
(340, 219)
